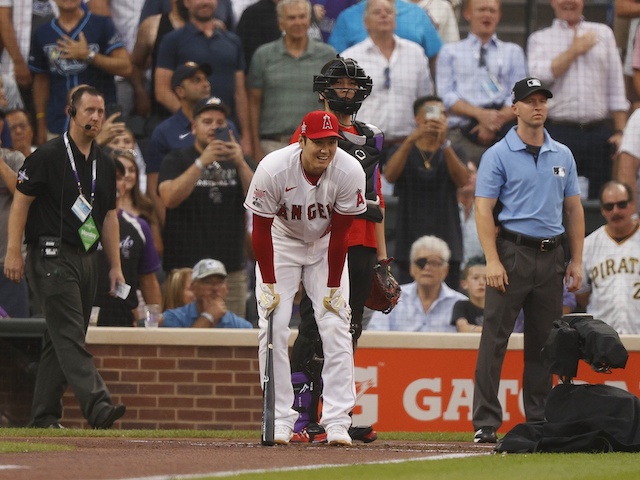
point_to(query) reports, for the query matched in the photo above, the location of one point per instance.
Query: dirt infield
(127, 458)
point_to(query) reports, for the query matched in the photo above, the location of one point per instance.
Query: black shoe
(486, 435)
(56, 426)
(365, 434)
(109, 415)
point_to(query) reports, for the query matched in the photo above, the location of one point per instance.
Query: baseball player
(298, 195)
(610, 262)
(342, 85)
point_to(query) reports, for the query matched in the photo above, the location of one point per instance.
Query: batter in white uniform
(611, 262)
(298, 195)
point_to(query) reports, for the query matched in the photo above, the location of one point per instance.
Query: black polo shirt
(209, 223)
(47, 175)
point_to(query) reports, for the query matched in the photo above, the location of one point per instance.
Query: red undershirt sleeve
(340, 225)
(263, 247)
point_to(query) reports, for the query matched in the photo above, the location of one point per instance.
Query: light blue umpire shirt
(532, 193)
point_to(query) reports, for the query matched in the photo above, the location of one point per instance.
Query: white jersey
(302, 211)
(613, 273)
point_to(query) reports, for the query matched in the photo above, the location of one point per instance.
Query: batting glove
(337, 304)
(269, 299)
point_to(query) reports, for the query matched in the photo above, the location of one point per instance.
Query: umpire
(64, 205)
(533, 178)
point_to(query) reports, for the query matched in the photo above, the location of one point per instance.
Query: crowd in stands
(198, 91)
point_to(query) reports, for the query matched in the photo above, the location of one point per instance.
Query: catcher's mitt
(385, 291)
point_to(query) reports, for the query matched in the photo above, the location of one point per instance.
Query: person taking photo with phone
(203, 188)
(427, 171)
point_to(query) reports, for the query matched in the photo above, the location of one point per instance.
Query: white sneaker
(338, 435)
(282, 434)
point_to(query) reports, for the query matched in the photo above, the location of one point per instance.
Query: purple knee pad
(303, 399)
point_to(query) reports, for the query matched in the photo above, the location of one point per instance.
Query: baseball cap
(211, 103)
(319, 124)
(188, 70)
(526, 87)
(207, 267)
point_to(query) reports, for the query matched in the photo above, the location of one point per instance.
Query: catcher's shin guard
(306, 395)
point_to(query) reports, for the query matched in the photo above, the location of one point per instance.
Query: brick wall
(175, 379)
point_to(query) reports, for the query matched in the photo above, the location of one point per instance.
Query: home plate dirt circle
(131, 458)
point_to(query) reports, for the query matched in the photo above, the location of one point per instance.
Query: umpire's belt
(542, 244)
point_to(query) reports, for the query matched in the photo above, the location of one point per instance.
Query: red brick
(195, 364)
(110, 375)
(214, 377)
(233, 365)
(123, 388)
(105, 350)
(175, 351)
(195, 415)
(158, 363)
(194, 389)
(176, 402)
(117, 363)
(214, 403)
(247, 403)
(233, 390)
(139, 376)
(157, 414)
(145, 401)
(175, 426)
(176, 377)
(140, 351)
(249, 353)
(215, 352)
(157, 389)
(233, 416)
(251, 378)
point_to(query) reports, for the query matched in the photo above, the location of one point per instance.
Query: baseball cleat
(338, 435)
(365, 433)
(282, 435)
(312, 433)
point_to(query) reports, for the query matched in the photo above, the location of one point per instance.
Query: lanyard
(75, 171)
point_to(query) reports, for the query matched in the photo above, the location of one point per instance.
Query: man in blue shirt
(209, 285)
(76, 48)
(190, 84)
(412, 23)
(474, 77)
(533, 179)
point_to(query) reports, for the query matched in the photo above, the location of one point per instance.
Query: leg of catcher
(361, 262)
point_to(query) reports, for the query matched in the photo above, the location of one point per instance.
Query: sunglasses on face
(607, 207)
(423, 262)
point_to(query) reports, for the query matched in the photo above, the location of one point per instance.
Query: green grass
(27, 447)
(610, 466)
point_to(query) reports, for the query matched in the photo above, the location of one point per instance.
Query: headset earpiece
(72, 111)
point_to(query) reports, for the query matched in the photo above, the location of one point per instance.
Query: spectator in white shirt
(399, 69)
(588, 111)
(628, 164)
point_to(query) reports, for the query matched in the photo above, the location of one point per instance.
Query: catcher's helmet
(331, 73)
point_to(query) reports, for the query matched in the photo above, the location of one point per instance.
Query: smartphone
(223, 133)
(433, 112)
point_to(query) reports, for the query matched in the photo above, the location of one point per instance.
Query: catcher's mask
(335, 70)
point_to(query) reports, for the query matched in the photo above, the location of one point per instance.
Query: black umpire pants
(535, 285)
(66, 287)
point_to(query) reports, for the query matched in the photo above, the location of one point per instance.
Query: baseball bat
(268, 390)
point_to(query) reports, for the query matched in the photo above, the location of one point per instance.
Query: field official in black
(64, 203)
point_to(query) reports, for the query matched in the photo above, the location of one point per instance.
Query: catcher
(343, 85)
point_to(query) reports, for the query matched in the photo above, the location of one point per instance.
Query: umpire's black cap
(526, 87)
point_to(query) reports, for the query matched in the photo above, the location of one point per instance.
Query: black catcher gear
(335, 70)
